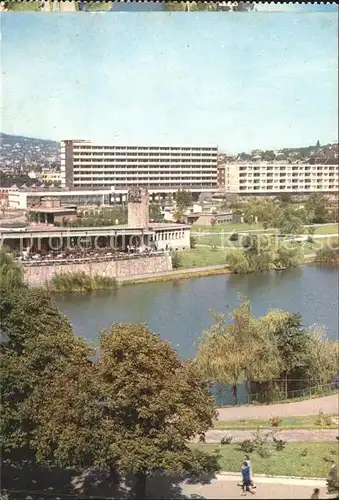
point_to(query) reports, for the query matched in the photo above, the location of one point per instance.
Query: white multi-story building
(160, 169)
(279, 177)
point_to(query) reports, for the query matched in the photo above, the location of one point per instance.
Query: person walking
(246, 479)
(315, 494)
(247, 459)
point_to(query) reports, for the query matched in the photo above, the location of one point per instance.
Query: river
(180, 310)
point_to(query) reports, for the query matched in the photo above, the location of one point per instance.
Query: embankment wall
(37, 275)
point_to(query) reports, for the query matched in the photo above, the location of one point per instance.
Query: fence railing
(224, 396)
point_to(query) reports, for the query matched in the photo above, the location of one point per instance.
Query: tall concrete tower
(138, 207)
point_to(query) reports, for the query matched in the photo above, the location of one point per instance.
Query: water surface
(180, 310)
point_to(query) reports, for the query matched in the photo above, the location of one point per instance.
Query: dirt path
(291, 436)
(271, 488)
(326, 404)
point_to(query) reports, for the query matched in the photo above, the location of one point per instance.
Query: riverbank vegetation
(274, 354)
(295, 459)
(327, 255)
(261, 253)
(79, 281)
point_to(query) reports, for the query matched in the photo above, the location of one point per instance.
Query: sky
(242, 80)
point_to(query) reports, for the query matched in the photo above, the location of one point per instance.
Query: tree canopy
(271, 351)
(129, 407)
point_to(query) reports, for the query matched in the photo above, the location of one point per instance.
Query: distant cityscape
(37, 163)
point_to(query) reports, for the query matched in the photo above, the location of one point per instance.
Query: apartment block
(160, 169)
(279, 177)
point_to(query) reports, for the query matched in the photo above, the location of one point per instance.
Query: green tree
(11, 273)
(155, 213)
(264, 210)
(291, 339)
(322, 358)
(317, 208)
(179, 214)
(176, 259)
(288, 256)
(238, 262)
(236, 350)
(183, 199)
(37, 342)
(290, 224)
(152, 404)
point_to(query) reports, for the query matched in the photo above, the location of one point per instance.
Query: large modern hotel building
(279, 177)
(161, 169)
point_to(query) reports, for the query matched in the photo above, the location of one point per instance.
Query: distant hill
(12, 140)
(18, 152)
(327, 153)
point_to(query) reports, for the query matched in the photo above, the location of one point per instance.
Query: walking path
(326, 404)
(289, 435)
(225, 486)
(192, 270)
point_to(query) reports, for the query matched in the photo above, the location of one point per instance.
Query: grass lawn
(330, 229)
(308, 422)
(219, 240)
(200, 257)
(222, 240)
(319, 243)
(229, 228)
(297, 459)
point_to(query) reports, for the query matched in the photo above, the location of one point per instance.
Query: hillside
(327, 153)
(28, 153)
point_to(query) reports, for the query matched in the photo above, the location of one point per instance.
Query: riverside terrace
(123, 238)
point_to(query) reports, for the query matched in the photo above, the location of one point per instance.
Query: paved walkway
(326, 404)
(289, 435)
(170, 273)
(224, 487)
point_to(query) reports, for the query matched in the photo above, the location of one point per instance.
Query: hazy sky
(242, 81)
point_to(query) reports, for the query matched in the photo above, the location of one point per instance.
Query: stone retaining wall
(37, 275)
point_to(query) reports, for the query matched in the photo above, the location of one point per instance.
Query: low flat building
(159, 236)
(51, 211)
(209, 219)
(26, 198)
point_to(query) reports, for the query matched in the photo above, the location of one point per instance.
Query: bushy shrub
(279, 444)
(275, 421)
(226, 440)
(234, 237)
(79, 281)
(326, 255)
(193, 242)
(176, 260)
(247, 446)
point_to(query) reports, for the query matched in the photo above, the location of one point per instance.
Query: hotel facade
(160, 169)
(278, 177)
